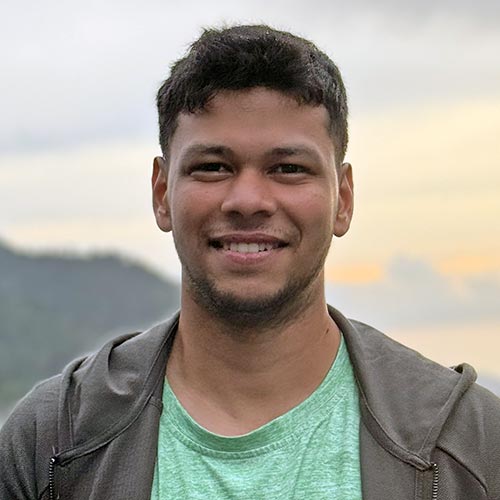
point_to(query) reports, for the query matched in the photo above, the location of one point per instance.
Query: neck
(234, 382)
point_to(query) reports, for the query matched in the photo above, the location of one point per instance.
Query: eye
(291, 173)
(209, 171)
(209, 167)
(290, 170)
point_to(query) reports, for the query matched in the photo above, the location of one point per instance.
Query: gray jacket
(427, 432)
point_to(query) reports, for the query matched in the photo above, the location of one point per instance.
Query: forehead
(254, 118)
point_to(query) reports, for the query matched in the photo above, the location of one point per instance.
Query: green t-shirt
(310, 452)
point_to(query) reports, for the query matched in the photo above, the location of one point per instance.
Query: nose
(249, 194)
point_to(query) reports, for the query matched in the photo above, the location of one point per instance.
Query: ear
(345, 203)
(159, 181)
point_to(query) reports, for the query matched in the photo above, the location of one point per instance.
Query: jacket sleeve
(26, 441)
(472, 437)
(491, 430)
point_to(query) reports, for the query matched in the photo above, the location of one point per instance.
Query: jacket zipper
(52, 488)
(435, 480)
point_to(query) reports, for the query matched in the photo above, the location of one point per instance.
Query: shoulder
(91, 394)
(450, 419)
(26, 441)
(37, 408)
(31, 435)
(471, 436)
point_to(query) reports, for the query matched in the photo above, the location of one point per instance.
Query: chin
(249, 307)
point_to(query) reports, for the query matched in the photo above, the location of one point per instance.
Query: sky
(78, 133)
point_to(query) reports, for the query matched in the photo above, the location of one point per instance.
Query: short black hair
(244, 57)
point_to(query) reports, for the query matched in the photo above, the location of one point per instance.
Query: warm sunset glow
(470, 264)
(363, 273)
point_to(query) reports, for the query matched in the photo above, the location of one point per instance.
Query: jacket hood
(405, 398)
(103, 394)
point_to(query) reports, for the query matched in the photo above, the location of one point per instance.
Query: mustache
(271, 231)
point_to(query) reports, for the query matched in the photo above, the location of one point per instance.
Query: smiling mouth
(246, 247)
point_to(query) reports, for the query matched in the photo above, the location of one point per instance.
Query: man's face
(253, 197)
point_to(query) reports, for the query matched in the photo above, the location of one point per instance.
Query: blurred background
(80, 256)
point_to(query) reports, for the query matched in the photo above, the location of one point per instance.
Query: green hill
(56, 307)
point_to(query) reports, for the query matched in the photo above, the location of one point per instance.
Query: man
(257, 389)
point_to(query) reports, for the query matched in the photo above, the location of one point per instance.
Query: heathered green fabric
(310, 452)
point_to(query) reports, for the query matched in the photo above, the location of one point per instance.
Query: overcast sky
(85, 73)
(78, 133)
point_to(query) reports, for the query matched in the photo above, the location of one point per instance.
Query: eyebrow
(224, 151)
(284, 151)
(214, 149)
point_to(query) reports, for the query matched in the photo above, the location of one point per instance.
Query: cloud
(426, 183)
(88, 74)
(412, 294)
(485, 14)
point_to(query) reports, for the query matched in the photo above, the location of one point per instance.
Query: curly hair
(243, 57)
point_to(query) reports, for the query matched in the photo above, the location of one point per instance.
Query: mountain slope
(54, 308)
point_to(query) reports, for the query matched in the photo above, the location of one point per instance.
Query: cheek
(191, 208)
(314, 208)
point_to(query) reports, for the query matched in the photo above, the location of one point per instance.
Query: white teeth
(249, 247)
(239, 247)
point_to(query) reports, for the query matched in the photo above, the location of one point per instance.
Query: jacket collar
(405, 398)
